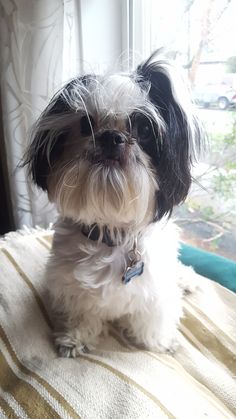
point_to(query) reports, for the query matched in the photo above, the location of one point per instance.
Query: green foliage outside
(218, 181)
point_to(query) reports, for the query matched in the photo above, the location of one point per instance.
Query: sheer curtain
(43, 44)
(40, 49)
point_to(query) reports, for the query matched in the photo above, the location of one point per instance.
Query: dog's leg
(189, 280)
(80, 336)
(155, 328)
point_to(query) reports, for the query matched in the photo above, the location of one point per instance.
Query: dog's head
(116, 150)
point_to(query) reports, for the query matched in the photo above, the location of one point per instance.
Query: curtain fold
(40, 50)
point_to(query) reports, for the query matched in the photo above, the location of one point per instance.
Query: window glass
(199, 35)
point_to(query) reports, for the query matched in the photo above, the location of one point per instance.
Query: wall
(101, 34)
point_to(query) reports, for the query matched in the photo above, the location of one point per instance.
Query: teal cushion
(217, 268)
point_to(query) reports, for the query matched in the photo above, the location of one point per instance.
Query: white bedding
(116, 380)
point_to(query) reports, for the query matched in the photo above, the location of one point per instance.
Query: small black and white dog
(114, 154)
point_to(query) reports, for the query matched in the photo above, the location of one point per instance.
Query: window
(199, 36)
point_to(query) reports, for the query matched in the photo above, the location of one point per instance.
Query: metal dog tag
(135, 269)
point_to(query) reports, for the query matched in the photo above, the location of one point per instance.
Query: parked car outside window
(221, 95)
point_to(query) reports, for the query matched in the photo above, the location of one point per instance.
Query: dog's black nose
(111, 138)
(112, 145)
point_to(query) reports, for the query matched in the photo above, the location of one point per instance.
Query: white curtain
(40, 49)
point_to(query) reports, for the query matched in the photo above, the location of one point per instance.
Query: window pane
(199, 35)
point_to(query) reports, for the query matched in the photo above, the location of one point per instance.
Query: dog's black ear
(50, 132)
(181, 135)
(37, 157)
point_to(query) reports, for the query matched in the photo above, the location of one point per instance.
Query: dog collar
(93, 232)
(135, 265)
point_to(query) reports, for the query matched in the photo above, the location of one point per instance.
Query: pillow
(212, 266)
(116, 380)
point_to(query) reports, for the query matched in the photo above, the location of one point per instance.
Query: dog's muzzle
(112, 144)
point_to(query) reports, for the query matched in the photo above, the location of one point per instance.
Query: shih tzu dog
(114, 154)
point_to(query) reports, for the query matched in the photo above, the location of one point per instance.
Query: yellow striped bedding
(116, 380)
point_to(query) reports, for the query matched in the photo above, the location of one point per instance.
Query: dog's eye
(144, 130)
(86, 125)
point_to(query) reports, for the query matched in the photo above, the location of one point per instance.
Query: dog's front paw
(188, 280)
(69, 347)
(166, 346)
(153, 341)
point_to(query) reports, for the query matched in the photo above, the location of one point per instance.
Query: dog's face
(115, 150)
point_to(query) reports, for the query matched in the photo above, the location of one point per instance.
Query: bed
(116, 380)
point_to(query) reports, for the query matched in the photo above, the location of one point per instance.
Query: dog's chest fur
(90, 273)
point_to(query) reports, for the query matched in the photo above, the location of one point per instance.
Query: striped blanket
(116, 380)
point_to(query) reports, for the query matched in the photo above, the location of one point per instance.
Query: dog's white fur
(85, 286)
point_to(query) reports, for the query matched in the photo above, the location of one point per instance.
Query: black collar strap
(135, 265)
(93, 233)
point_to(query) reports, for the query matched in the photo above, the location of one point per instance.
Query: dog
(114, 154)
